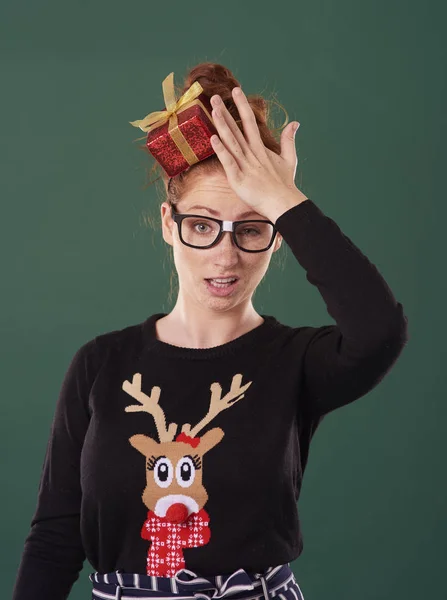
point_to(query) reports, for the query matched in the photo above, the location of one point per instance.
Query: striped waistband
(186, 584)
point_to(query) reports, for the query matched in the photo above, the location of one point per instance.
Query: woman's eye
(201, 227)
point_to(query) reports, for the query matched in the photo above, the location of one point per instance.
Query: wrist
(285, 203)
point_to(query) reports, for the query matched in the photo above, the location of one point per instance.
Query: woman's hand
(261, 178)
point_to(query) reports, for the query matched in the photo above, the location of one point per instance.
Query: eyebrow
(217, 214)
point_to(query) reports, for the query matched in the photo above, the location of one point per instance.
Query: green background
(367, 81)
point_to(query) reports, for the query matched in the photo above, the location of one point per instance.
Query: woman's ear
(278, 242)
(167, 223)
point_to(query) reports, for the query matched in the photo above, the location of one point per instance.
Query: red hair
(214, 79)
(217, 79)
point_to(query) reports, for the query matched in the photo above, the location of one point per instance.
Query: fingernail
(295, 127)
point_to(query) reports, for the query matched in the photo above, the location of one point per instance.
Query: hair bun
(218, 79)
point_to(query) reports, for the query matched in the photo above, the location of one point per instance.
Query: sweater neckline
(252, 337)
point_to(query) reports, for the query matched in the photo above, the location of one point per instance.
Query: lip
(221, 292)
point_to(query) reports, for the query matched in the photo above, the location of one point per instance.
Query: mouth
(222, 288)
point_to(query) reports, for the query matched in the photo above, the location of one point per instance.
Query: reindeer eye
(185, 471)
(163, 472)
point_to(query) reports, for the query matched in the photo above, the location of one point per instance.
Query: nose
(226, 240)
(226, 255)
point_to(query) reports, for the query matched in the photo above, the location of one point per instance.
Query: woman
(179, 444)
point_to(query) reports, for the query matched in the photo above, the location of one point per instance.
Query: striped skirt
(276, 582)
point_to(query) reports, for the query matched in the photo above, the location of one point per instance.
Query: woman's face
(194, 266)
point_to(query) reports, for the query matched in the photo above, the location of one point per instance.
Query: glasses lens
(200, 231)
(254, 236)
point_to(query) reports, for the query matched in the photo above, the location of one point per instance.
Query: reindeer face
(174, 486)
(174, 474)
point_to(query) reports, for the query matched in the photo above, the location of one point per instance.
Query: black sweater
(162, 457)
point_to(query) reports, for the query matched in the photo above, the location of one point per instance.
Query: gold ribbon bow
(173, 106)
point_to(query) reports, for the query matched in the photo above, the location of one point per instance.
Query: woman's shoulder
(111, 339)
(296, 336)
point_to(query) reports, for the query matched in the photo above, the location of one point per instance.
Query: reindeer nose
(177, 513)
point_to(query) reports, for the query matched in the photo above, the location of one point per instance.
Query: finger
(227, 160)
(249, 122)
(227, 137)
(288, 147)
(217, 102)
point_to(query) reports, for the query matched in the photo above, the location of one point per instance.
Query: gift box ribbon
(173, 106)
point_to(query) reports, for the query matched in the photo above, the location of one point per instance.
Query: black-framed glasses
(197, 231)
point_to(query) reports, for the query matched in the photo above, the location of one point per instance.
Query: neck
(206, 328)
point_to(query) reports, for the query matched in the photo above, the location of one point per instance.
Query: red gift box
(196, 125)
(184, 137)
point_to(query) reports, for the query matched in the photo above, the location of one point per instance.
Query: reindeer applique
(174, 492)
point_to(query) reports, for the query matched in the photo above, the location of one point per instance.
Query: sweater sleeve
(342, 362)
(53, 554)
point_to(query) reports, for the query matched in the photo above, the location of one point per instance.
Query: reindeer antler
(150, 405)
(218, 404)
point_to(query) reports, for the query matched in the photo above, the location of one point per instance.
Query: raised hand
(260, 177)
